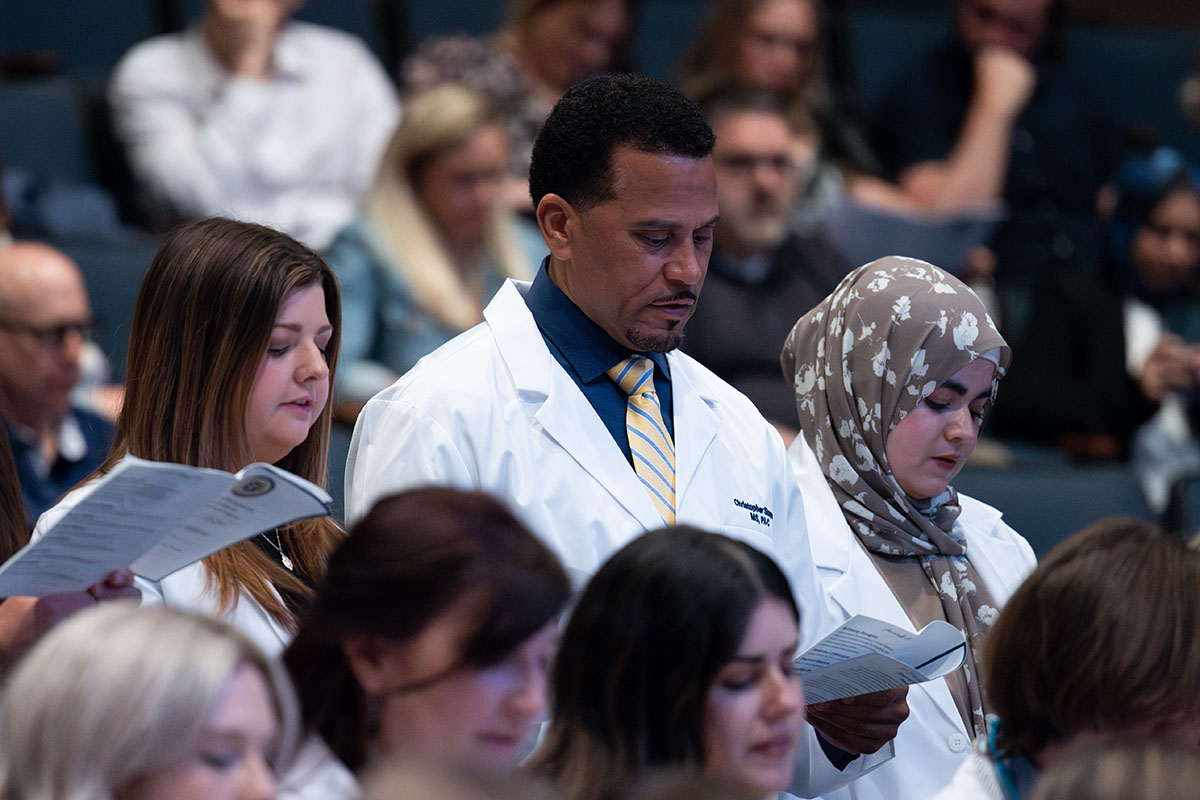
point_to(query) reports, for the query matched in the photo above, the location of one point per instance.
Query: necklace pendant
(287, 562)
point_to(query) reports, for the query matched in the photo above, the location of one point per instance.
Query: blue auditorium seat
(43, 129)
(112, 268)
(91, 35)
(1046, 503)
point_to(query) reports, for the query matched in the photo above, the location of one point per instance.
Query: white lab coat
(187, 589)
(976, 779)
(316, 774)
(932, 742)
(492, 409)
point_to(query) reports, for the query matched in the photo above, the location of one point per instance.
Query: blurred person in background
(434, 242)
(761, 274)
(255, 116)
(45, 321)
(524, 68)
(780, 46)
(1049, 167)
(1121, 346)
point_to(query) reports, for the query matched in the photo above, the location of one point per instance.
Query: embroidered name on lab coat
(759, 515)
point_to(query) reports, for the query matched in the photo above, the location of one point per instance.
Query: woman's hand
(860, 725)
(1170, 365)
(1004, 80)
(52, 609)
(24, 620)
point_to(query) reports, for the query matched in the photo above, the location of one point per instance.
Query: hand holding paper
(867, 655)
(156, 518)
(861, 724)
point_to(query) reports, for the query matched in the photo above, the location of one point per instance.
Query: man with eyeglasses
(762, 276)
(45, 320)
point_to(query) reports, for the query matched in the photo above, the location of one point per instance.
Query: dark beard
(654, 342)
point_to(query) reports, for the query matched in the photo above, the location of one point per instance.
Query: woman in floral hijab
(894, 374)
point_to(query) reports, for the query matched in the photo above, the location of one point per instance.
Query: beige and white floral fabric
(890, 333)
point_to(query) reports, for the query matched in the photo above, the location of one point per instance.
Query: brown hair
(644, 643)
(201, 328)
(14, 530)
(1122, 770)
(709, 62)
(409, 559)
(1102, 636)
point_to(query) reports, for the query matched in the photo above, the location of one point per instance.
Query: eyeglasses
(54, 336)
(768, 40)
(744, 165)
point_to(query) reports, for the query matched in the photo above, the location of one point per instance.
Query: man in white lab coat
(523, 405)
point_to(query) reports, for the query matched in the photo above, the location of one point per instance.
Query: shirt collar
(291, 57)
(585, 346)
(70, 443)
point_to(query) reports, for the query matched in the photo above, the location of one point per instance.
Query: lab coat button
(957, 742)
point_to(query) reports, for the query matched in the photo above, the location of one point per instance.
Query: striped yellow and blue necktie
(651, 445)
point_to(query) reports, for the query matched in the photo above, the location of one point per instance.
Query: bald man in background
(45, 319)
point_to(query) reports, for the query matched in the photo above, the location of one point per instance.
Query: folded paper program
(155, 518)
(868, 655)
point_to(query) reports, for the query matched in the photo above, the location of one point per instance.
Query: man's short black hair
(572, 156)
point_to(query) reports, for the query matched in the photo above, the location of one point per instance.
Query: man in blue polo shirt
(44, 323)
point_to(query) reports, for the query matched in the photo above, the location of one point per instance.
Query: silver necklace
(287, 562)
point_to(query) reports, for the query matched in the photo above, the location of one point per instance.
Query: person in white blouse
(252, 115)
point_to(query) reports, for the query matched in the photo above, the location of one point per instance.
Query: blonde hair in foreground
(1122, 770)
(119, 691)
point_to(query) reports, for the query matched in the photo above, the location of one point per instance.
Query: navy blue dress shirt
(587, 352)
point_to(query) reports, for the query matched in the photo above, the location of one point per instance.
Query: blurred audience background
(99, 153)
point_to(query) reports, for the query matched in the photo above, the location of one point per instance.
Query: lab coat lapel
(556, 406)
(695, 422)
(875, 599)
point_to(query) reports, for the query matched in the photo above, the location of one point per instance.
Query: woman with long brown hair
(13, 533)
(232, 350)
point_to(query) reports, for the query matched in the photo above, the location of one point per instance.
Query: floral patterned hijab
(891, 333)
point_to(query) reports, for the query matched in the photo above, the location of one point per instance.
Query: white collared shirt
(295, 152)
